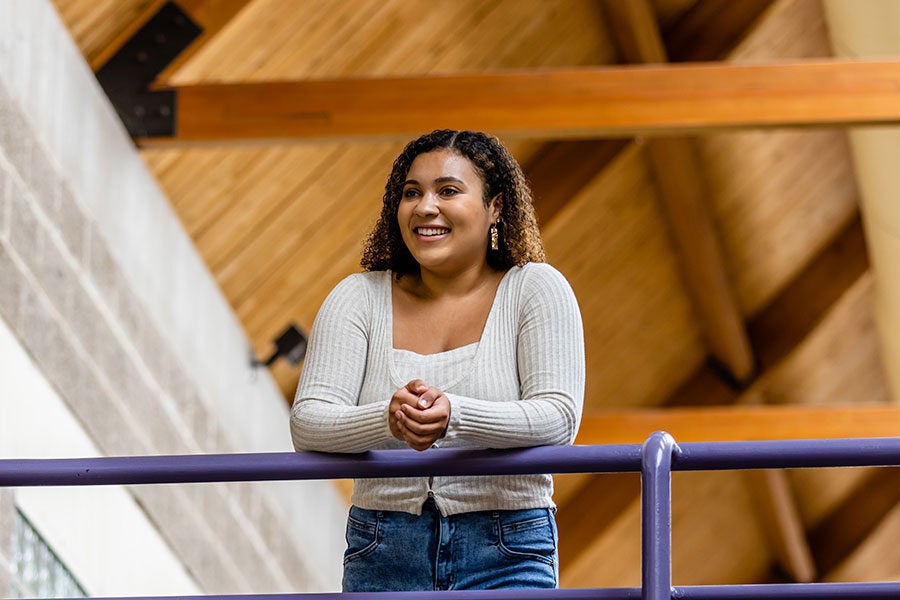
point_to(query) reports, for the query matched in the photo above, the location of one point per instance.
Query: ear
(496, 207)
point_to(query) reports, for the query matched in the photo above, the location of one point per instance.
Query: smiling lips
(431, 231)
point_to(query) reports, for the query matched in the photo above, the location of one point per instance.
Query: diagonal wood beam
(597, 102)
(791, 316)
(780, 520)
(639, 41)
(683, 192)
(635, 29)
(682, 187)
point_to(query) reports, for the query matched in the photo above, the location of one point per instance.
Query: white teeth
(431, 231)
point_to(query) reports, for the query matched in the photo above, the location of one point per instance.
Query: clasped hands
(418, 414)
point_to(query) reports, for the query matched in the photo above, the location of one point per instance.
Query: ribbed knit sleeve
(550, 357)
(326, 415)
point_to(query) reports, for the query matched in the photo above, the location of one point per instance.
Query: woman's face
(442, 216)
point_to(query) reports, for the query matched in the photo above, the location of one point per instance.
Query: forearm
(549, 420)
(327, 427)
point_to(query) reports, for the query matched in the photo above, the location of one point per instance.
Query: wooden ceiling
(723, 277)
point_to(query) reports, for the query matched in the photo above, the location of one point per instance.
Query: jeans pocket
(362, 534)
(527, 536)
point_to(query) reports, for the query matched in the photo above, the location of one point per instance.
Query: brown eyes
(449, 192)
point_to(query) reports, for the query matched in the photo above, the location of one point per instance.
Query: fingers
(420, 424)
(403, 397)
(418, 414)
(437, 413)
(421, 440)
(413, 441)
(421, 428)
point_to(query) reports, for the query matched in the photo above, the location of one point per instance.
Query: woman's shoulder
(359, 288)
(538, 274)
(366, 279)
(539, 284)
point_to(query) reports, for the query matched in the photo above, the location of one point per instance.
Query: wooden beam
(682, 189)
(635, 29)
(683, 193)
(782, 324)
(639, 41)
(589, 102)
(780, 520)
(557, 174)
(734, 423)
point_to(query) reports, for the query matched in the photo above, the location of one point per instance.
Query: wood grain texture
(599, 102)
(683, 192)
(780, 519)
(735, 423)
(279, 224)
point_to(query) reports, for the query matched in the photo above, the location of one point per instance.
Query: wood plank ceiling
(728, 268)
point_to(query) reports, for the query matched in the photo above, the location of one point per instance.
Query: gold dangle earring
(495, 237)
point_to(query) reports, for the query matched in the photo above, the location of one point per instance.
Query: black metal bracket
(126, 77)
(291, 344)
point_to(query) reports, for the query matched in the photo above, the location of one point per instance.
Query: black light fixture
(291, 345)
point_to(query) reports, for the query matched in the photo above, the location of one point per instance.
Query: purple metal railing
(655, 459)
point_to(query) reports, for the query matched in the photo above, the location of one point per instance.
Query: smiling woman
(457, 335)
(443, 218)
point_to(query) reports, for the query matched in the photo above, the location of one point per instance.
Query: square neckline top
(450, 360)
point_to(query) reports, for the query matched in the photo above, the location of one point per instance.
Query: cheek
(400, 217)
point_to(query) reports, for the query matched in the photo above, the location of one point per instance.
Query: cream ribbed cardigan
(523, 387)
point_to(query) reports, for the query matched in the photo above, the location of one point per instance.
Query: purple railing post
(656, 516)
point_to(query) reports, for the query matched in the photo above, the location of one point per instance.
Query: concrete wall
(102, 288)
(100, 533)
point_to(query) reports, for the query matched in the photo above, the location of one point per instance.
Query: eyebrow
(438, 180)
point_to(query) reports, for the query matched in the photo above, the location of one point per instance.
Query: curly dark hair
(520, 239)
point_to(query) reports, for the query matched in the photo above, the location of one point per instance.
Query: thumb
(416, 386)
(426, 400)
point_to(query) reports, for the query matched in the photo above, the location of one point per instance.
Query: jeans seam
(506, 551)
(370, 547)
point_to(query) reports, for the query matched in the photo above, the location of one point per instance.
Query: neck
(430, 284)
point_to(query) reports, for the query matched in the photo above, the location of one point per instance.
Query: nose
(428, 205)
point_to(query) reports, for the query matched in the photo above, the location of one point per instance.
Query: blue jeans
(398, 551)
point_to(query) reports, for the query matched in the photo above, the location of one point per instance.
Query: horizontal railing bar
(781, 591)
(510, 594)
(888, 590)
(272, 466)
(786, 454)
